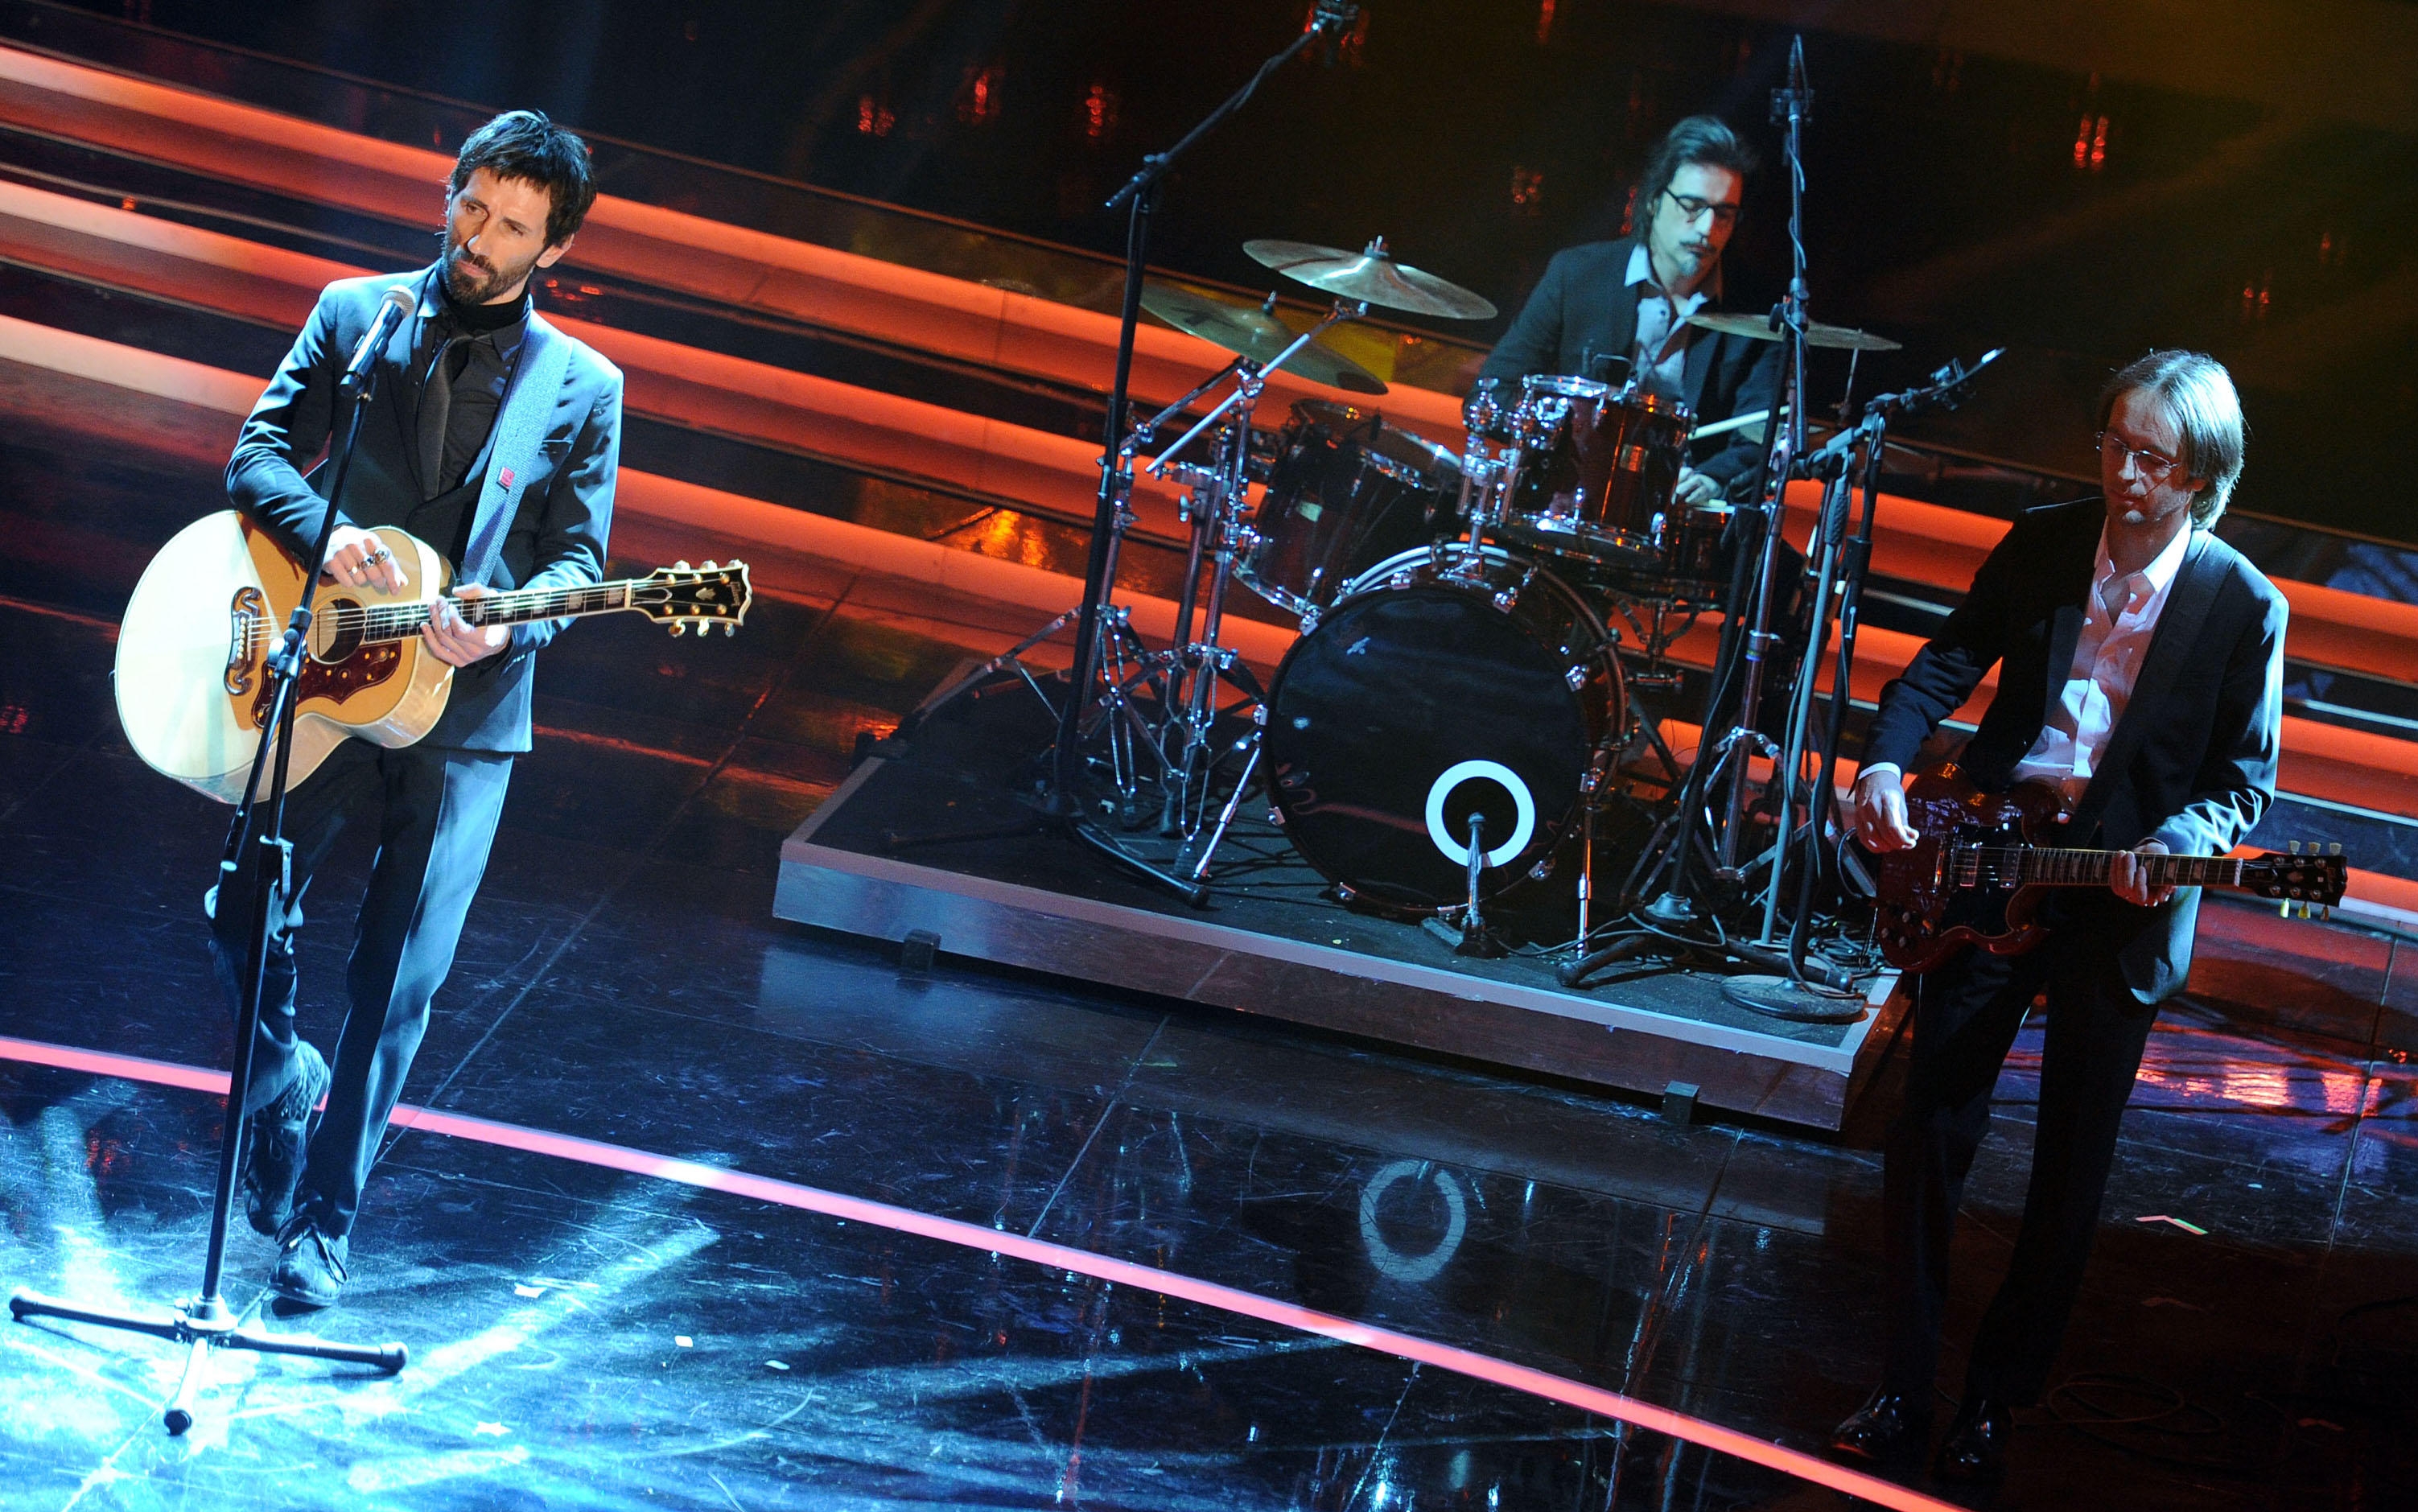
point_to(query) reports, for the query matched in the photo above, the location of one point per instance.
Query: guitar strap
(520, 431)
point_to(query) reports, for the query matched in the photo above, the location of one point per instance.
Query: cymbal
(1842, 338)
(1371, 275)
(1250, 331)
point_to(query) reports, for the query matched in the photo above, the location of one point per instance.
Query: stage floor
(593, 1326)
(1272, 939)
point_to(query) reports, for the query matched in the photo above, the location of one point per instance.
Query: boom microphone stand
(1062, 799)
(205, 1322)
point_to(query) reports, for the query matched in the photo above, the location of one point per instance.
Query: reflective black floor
(582, 1337)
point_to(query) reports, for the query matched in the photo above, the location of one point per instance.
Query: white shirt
(2120, 614)
(1659, 360)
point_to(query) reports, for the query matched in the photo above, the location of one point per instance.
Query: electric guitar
(192, 675)
(1978, 873)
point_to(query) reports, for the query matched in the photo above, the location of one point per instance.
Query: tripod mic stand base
(1779, 997)
(201, 1325)
(1671, 910)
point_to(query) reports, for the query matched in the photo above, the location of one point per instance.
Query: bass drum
(1444, 683)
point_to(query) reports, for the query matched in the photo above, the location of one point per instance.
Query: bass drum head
(1409, 708)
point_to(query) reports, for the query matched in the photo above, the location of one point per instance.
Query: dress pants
(1965, 1018)
(436, 811)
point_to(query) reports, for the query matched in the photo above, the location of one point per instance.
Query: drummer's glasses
(1692, 207)
(2154, 469)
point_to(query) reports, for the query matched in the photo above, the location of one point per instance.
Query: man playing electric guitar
(2140, 674)
(495, 437)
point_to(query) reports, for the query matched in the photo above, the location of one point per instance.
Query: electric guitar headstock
(694, 598)
(2311, 878)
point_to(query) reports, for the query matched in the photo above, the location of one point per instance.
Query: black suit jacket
(2193, 759)
(1583, 308)
(556, 537)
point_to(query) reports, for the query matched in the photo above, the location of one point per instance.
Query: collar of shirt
(2145, 590)
(436, 306)
(1641, 270)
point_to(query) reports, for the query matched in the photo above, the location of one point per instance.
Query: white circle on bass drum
(1522, 831)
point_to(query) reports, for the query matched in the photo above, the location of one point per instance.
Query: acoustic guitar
(192, 685)
(1983, 864)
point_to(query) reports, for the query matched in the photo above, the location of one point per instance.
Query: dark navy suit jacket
(1585, 308)
(556, 536)
(2193, 759)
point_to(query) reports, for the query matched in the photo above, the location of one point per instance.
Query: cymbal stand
(1198, 667)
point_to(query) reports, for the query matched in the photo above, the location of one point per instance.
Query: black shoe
(1976, 1449)
(280, 1137)
(1890, 1428)
(310, 1271)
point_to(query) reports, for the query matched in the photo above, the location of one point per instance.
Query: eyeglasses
(1690, 206)
(2154, 468)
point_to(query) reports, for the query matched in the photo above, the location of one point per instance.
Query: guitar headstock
(2311, 878)
(694, 598)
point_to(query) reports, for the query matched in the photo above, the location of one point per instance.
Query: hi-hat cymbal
(1372, 276)
(1843, 338)
(1247, 330)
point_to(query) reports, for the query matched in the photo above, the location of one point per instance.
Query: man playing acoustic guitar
(2140, 675)
(493, 438)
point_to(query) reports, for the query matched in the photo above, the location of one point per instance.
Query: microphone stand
(205, 1322)
(1063, 797)
(1851, 457)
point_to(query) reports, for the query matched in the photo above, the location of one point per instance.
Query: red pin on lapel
(507, 477)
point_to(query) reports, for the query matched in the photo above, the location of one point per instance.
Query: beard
(471, 280)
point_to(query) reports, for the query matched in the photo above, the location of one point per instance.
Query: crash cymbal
(1248, 330)
(1842, 338)
(1371, 275)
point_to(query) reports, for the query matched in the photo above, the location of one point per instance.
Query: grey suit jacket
(554, 511)
(2193, 759)
(1582, 309)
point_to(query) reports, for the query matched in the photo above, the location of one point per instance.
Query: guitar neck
(401, 621)
(2050, 866)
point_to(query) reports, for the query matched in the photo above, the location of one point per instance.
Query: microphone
(399, 302)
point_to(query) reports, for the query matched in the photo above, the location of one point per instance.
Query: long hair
(1706, 140)
(523, 144)
(2198, 393)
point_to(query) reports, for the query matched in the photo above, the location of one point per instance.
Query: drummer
(1617, 310)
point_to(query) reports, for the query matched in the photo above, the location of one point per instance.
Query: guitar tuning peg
(2295, 846)
(710, 568)
(2283, 909)
(682, 567)
(679, 627)
(729, 629)
(2325, 911)
(2334, 847)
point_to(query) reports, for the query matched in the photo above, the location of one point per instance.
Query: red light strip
(1468, 1363)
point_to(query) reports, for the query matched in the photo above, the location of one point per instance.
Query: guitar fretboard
(2005, 866)
(401, 621)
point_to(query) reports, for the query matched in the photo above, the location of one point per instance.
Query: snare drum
(1445, 683)
(1345, 490)
(1595, 471)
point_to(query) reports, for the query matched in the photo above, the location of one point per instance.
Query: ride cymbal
(1759, 327)
(1370, 276)
(1248, 330)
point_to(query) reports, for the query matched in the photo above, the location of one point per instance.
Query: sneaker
(310, 1268)
(280, 1137)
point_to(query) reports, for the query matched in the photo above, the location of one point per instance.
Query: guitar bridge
(246, 616)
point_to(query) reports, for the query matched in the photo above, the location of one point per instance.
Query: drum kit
(1478, 623)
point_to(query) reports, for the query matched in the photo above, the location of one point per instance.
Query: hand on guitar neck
(1881, 826)
(358, 558)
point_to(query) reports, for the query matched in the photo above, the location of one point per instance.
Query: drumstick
(1736, 422)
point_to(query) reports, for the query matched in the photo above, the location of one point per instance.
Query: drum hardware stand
(1471, 936)
(1061, 798)
(205, 1322)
